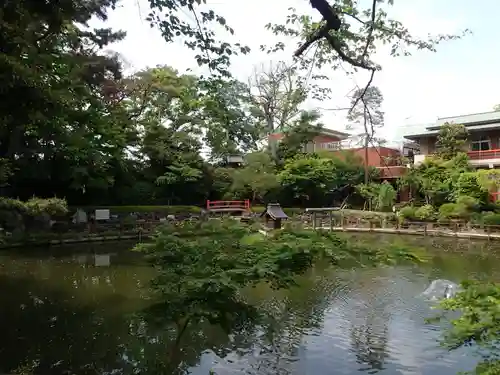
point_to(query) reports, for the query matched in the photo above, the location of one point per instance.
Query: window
(480, 144)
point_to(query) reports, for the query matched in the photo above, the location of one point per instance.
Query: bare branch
(363, 93)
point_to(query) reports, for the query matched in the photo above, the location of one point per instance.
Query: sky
(460, 78)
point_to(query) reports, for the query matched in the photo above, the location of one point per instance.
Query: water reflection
(84, 314)
(97, 260)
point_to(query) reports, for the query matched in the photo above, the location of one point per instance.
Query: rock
(440, 289)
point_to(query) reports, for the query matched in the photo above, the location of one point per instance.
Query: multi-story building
(482, 146)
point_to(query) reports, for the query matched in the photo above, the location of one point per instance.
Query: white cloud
(416, 89)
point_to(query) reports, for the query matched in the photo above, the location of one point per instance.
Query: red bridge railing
(238, 205)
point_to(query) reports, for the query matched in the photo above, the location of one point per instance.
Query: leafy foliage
(17, 216)
(479, 323)
(296, 138)
(451, 140)
(426, 212)
(309, 177)
(257, 176)
(203, 267)
(380, 196)
(436, 178)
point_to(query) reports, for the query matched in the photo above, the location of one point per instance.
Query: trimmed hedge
(366, 215)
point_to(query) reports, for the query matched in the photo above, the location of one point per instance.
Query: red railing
(238, 205)
(484, 155)
(494, 196)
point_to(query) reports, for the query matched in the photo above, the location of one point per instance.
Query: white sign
(102, 214)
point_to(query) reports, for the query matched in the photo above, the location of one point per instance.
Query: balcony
(485, 157)
(331, 146)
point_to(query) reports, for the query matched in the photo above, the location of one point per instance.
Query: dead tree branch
(363, 93)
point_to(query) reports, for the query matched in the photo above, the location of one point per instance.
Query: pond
(76, 310)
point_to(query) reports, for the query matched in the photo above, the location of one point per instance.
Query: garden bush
(425, 213)
(491, 218)
(469, 202)
(453, 211)
(407, 213)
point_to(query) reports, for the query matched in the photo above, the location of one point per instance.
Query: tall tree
(257, 176)
(451, 140)
(366, 113)
(62, 133)
(229, 124)
(299, 134)
(278, 93)
(168, 119)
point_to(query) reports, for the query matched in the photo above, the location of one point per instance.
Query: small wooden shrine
(274, 215)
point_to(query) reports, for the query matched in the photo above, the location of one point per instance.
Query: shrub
(50, 206)
(407, 213)
(490, 218)
(10, 204)
(386, 197)
(449, 211)
(425, 213)
(469, 202)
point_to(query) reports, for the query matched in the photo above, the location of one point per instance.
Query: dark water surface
(75, 311)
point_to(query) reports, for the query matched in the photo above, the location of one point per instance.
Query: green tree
(331, 36)
(223, 179)
(203, 267)
(230, 126)
(315, 179)
(478, 325)
(66, 131)
(436, 179)
(366, 113)
(298, 135)
(257, 177)
(379, 196)
(451, 140)
(278, 93)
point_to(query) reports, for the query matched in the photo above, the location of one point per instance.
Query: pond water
(76, 310)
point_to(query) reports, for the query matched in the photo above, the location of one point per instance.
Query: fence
(456, 228)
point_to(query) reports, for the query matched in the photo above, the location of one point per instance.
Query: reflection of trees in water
(287, 321)
(50, 331)
(369, 329)
(369, 341)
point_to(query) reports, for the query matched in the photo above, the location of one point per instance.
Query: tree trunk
(367, 180)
